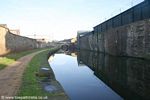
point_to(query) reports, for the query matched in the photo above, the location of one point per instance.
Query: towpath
(11, 76)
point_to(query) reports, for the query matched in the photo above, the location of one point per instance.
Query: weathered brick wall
(138, 41)
(128, 40)
(13, 43)
(84, 45)
(115, 41)
(100, 42)
(88, 42)
(85, 42)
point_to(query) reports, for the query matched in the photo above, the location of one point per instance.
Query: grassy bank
(10, 58)
(31, 85)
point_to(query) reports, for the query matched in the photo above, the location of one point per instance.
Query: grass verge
(10, 58)
(30, 85)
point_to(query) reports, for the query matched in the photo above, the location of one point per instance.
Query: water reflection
(79, 82)
(129, 77)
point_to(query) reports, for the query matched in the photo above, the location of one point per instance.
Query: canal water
(87, 75)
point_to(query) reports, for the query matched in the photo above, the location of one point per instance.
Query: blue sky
(58, 19)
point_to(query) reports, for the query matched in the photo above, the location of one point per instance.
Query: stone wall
(86, 40)
(115, 41)
(128, 40)
(19, 43)
(138, 41)
(10, 42)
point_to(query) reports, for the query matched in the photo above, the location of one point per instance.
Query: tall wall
(127, 34)
(128, 40)
(138, 41)
(19, 43)
(12, 43)
(85, 42)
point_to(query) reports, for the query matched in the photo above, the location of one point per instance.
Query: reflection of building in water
(81, 64)
(74, 54)
(51, 58)
(71, 53)
(129, 77)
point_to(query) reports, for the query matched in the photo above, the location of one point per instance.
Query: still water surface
(92, 76)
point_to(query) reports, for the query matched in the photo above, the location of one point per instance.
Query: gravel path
(11, 76)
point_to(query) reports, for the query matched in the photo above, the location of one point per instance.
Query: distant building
(81, 34)
(74, 40)
(3, 25)
(65, 41)
(15, 31)
(41, 40)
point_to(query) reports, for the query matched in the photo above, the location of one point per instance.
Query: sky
(58, 19)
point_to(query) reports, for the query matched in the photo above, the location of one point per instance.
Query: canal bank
(35, 85)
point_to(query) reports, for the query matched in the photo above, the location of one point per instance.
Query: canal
(87, 75)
